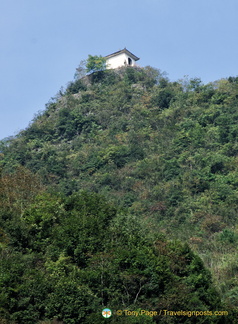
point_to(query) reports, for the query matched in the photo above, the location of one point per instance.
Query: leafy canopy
(95, 63)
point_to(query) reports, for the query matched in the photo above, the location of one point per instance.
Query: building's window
(129, 61)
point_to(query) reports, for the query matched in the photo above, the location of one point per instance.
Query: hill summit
(116, 195)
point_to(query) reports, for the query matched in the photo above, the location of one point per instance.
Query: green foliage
(95, 63)
(162, 98)
(228, 236)
(165, 153)
(76, 86)
(95, 256)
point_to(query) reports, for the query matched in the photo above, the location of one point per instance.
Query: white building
(120, 58)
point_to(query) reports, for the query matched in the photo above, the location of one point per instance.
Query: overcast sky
(43, 41)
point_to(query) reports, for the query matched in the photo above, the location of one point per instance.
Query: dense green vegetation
(122, 193)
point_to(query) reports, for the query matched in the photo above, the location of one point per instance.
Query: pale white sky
(43, 41)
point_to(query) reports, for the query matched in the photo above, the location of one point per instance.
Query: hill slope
(166, 152)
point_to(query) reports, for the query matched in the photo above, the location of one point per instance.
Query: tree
(95, 63)
(80, 70)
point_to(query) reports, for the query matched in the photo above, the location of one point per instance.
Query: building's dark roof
(123, 51)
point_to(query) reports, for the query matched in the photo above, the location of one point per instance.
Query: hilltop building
(121, 58)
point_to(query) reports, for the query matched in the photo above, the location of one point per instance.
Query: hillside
(153, 161)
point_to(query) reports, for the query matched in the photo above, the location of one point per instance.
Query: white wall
(118, 60)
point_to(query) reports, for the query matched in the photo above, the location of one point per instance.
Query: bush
(76, 86)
